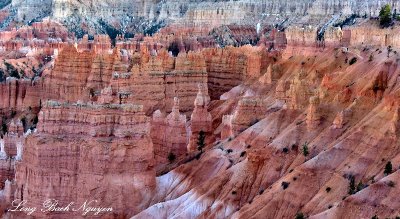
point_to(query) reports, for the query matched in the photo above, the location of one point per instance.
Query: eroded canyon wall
(206, 14)
(106, 151)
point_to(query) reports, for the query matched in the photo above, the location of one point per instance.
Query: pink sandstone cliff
(106, 150)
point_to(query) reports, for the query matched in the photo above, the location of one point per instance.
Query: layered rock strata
(201, 119)
(169, 135)
(106, 152)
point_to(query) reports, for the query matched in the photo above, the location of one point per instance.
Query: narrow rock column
(394, 126)
(201, 119)
(19, 149)
(3, 154)
(8, 190)
(313, 114)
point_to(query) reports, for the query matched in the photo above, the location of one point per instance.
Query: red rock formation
(227, 129)
(297, 129)
(14, 138)
(235, 35)
(152, 81)
(19, 94)
(7, 170)
(248, 112)
(263, 172)
(369, 34)
(101, 44)
(201, 119)
(228, 67)
(299, 92)
(272, 74)
(106, 152)
(169, 135)
(313, 114)
(68, 78)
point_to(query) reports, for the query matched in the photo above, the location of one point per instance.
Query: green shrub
(305, 149)
(4, 3)
(388, 168)
(360, 186)
(285, 185)
(389, 50)
(171, 157)
(391, 183)
(371, 58)
(299, 215)
(352, 185)
(353, 61)
(328, 189)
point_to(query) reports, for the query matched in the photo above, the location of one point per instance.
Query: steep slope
(346, 116)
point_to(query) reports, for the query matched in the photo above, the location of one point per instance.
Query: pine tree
(352, 186)
(388, 168)
(201, 141)
(385, 15)
(305, 149)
